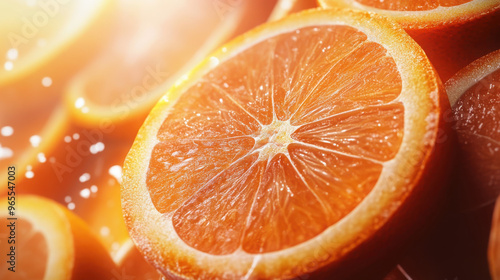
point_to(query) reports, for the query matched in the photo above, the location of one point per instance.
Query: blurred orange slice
(28, 137)
(45, 41)
(475, 96)
(291, 151)
(35, 33)
(51, 244)
(150, 51)
(474, 93)
(84, 173)
(453, 33)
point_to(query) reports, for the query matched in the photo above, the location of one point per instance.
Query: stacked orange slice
(453, 33)
(50, 243)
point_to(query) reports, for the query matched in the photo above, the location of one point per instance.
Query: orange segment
(210, 211)
(60, 245)
(353, 132)
(419, 5)
(170, 159)
(453, 33)
(290, 150)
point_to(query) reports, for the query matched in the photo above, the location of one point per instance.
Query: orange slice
(475, 94)
(38, 33)
(84, 174)
(293, 150)
(25, 142)
(45, 42)
(149, 52)
(453, 33)
(399, 273)
(51, 244)
(131, 263)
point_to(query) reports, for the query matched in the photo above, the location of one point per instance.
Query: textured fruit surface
(308, 125)
(475, 95)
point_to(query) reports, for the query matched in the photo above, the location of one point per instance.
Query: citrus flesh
(478, 128)
(34, 241)
(474, 93)
(284, 150)
(59, 244)
(421, 5)
(422, 14)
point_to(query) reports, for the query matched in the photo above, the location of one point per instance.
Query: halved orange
(36, 33)
(131, 263)
(306, 146)
(150, 51)
(474, 93)
(453, 33)
(50, 243)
